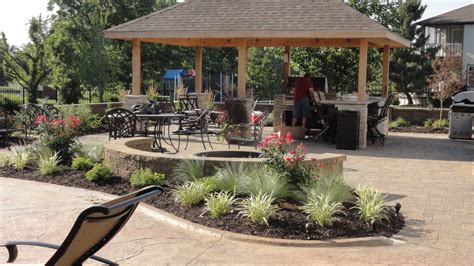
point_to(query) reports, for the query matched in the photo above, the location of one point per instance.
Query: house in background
(453, 32)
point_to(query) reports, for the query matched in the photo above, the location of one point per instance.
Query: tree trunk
(409, 98)
(440, 112)
(32, 92)
(101, 94)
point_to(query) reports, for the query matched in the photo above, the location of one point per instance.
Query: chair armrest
(11, 246)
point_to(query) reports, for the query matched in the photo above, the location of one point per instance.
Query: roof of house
(463, 15)
(255, 19)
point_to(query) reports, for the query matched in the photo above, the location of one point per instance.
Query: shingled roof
(256, 19)
(463, 15)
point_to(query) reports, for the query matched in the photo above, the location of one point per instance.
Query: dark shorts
(301, 109)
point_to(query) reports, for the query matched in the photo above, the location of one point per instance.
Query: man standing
(301, 108)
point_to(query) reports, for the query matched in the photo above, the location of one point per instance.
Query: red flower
(41, 118)
(74, 121)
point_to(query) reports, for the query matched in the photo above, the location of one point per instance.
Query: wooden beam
(385, 70)
(286, 64)
(362, 81)
(136, 67)
(242, 69)
(198, 68)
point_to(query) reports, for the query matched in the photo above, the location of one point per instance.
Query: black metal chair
(121, 122)
(51, 111)
(32, 111)
(374, 120)
(7, 126)
(250, 133)
(198, 125)
(93, 229)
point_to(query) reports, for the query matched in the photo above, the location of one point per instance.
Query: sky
(14, 15)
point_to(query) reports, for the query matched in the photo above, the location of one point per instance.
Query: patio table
(160, 133)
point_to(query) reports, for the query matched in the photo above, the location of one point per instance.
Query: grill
(461, 116)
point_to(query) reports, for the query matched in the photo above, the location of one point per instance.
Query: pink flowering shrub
(58, 135)
(275, 150)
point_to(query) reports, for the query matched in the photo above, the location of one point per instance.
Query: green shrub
(265, 180)
(330, 184)
(20, 158)
(322, 210)
(5, 160)
(370, 204)
(269, 120)
(190, 194)
(49, 164)
(88, 120)
(10, 102)
(188, 171)
(82, 163)
(396, 101)
(99, 172)
(146, 177)
(259, 208)
(230, 175)
(93, 152)
(440, 123)
(210, 183)
(399, 122)
(428, 123)
(219, 204)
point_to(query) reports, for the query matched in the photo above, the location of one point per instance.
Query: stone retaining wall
(416, 116)
(127, 155)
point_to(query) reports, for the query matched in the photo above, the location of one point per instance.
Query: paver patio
(430, 175)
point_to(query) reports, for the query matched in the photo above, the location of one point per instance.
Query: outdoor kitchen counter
(361, 106)
(282, 103)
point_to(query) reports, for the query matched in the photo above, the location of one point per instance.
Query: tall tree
(411, 67)
(4, 78)
(28, 65)
(265, 71)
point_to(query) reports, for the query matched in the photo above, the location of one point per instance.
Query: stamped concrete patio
(430, 175)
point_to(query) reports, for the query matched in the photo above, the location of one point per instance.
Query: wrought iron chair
(51, 111)
(32, 111)
(93, 229)
(374, 120)
(198, 125)
(250, 133)
(122, 123)
(7, 126)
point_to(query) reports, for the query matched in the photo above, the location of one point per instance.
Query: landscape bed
(287, 224)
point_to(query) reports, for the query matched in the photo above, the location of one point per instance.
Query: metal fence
(51, 96)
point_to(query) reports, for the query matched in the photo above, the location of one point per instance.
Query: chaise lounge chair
(93, 229)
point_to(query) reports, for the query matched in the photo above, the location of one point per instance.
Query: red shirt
(302, 86)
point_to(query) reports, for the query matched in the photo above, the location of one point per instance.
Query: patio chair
(51, 111)
(93, 229)
(374, 120)
(198, 125)
(7, 126)
(250, 133)
(32, 112)
(121, 122)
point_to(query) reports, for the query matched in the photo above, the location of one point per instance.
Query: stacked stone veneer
(127, 155)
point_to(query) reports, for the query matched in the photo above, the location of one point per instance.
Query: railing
(447, 48)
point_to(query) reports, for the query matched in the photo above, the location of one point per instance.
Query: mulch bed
(420, 129)
(288, 224)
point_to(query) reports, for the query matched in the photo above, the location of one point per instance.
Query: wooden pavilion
(259, 23)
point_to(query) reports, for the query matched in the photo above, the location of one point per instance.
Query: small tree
(446, 80)
(28, 66)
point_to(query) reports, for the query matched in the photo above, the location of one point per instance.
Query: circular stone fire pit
(129, 154)
(229, 154)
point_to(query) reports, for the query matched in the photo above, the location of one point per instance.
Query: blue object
(172, 74)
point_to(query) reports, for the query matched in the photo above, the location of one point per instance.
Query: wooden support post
(198, 68)
(242, 69)
(286, 64)
(136, 67)
(385, 70)
(362, 81)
